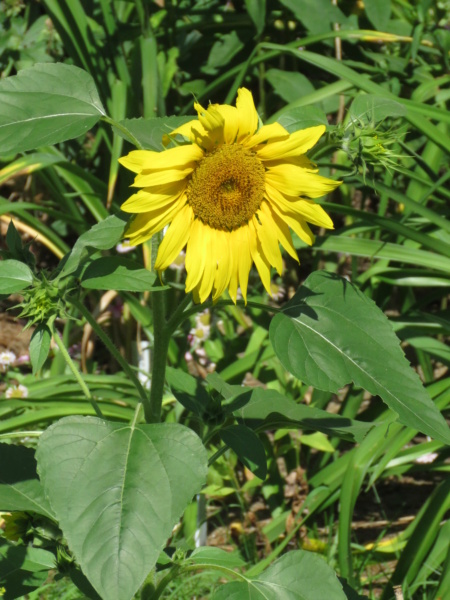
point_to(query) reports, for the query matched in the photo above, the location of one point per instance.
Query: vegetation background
(376, 72)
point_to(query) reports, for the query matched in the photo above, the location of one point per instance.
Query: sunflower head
(231, 190)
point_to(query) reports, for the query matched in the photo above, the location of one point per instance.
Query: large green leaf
(117, 273)
(20, 488)
(331, 334)
(117, 490)
(46, 104)
(298, 575)
(15, 276)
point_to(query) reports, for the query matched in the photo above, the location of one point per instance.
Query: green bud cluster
(42, 302)
(369, 146)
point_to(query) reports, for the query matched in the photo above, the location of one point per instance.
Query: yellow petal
(144, 225)
(269, 242)
(175, 239)
(195, 255)
(259, 258)
(190, 130)
(161, 177)
(244, 258)
(282, 230)
(305, 208)
(265, 134)
(222, 258)
(247, 115)
(207, 280)
(137, 159)
(297, 224)
(146, 200)
(299, 142)
(230, 118)
(295, 181)
(174, 158)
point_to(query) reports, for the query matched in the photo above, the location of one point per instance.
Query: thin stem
(74, 369)
(217, 454)
(110, 346)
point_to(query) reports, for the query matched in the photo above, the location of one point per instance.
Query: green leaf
(302, 117)
(150, 132)
(102, 236)
(278, 411)
(15, 276)
(369, 108)
(46, 104)
(20, 488)
(257, 11)
(378, 12)
(248, 447)
(298, 575)
(117, 490)
(289, 85)
(188, 391)
(39, 346)
(331, 334)
(318, 16)
(117, 273)
(215, 556)
(23, 569)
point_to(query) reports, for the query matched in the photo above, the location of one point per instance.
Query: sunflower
(230, 190)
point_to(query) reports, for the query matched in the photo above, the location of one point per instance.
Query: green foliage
(277, 405)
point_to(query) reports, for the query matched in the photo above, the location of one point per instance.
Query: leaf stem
(73, 368)
(124, 131)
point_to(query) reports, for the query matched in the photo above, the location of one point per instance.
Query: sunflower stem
(161, 332)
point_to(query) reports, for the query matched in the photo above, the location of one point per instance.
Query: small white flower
(427, 458)
(17, 391)
(202, 329)
(7, 358)
(124, 247)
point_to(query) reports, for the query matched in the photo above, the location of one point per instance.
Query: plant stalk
(74, 369)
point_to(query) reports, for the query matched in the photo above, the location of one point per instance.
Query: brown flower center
(227, 187)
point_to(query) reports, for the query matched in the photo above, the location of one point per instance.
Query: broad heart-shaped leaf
(20, 488)
(117, 490)
(330, 334)
(46, 104)
(298, 575)
(39, 346)
(117, 273)
(15, 276)
(278, 411)
(150, 132)
(248, 447)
